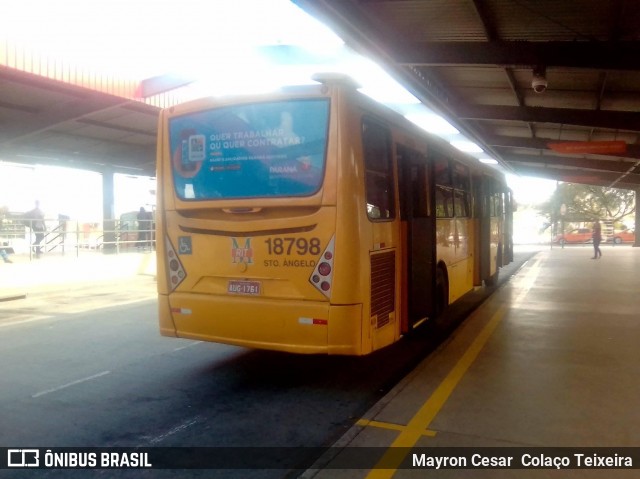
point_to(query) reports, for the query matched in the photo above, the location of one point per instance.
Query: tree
(587, 202)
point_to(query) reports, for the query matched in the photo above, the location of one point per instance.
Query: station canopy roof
(475, 62)
(46, 121)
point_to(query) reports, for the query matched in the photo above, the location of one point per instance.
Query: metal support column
(108, 213)
(636, 242)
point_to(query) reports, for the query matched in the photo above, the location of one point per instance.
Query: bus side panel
(457, 276)
(471, 257)
(488, 230)
(494, 245)
(351, 285)
(445, 251)
(477, 268)
(385, 273)
(378, 283)
(352, 227)
(463, 267)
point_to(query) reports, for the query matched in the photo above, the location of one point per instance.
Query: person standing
(144, 227)
(37, 225)
(597, 238)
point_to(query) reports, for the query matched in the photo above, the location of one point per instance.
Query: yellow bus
(316, 220)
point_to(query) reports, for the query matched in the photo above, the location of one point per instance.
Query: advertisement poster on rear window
(272, 149)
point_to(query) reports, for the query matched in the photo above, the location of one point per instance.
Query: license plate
(244, 287)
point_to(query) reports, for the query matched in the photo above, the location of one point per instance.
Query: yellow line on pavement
(414, 430)
(390, 425)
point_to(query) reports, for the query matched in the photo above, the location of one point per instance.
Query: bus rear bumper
(307, 327)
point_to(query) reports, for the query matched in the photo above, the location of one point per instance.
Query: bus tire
(442, 291)
(493, 279)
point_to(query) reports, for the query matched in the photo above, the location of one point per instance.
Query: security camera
(539, 84)
(539, 81)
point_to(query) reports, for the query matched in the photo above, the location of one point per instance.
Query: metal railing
(63, 235)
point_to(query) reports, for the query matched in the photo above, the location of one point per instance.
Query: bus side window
(378, 171)
(461, 204)
(444, 202)
(495, 205)
(442, 171)
(462, 183)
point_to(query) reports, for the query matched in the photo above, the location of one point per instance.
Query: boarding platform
(551, 359)
(27, 276)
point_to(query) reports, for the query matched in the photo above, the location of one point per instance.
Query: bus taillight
(175, 270)
(323, 273)
(324, 269)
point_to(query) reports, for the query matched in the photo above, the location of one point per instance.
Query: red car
(626, 236)
(578, 235)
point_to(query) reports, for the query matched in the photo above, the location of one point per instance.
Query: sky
(530, 191)
(71, 192)
(219, 42)
(188, 36)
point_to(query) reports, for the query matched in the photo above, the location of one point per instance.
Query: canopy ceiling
(472, 60)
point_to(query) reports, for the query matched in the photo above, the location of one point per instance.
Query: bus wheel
(442, 292)
(492, 280)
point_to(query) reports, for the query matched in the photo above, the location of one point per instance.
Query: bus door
(418, 233)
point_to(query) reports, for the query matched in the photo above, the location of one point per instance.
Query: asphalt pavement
(83, 365)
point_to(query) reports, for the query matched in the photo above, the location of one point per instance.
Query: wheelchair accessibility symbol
(184, 245)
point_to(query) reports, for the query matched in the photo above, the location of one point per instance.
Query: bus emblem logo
(241, 254)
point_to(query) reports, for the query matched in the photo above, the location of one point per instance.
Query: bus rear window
(272, 149)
